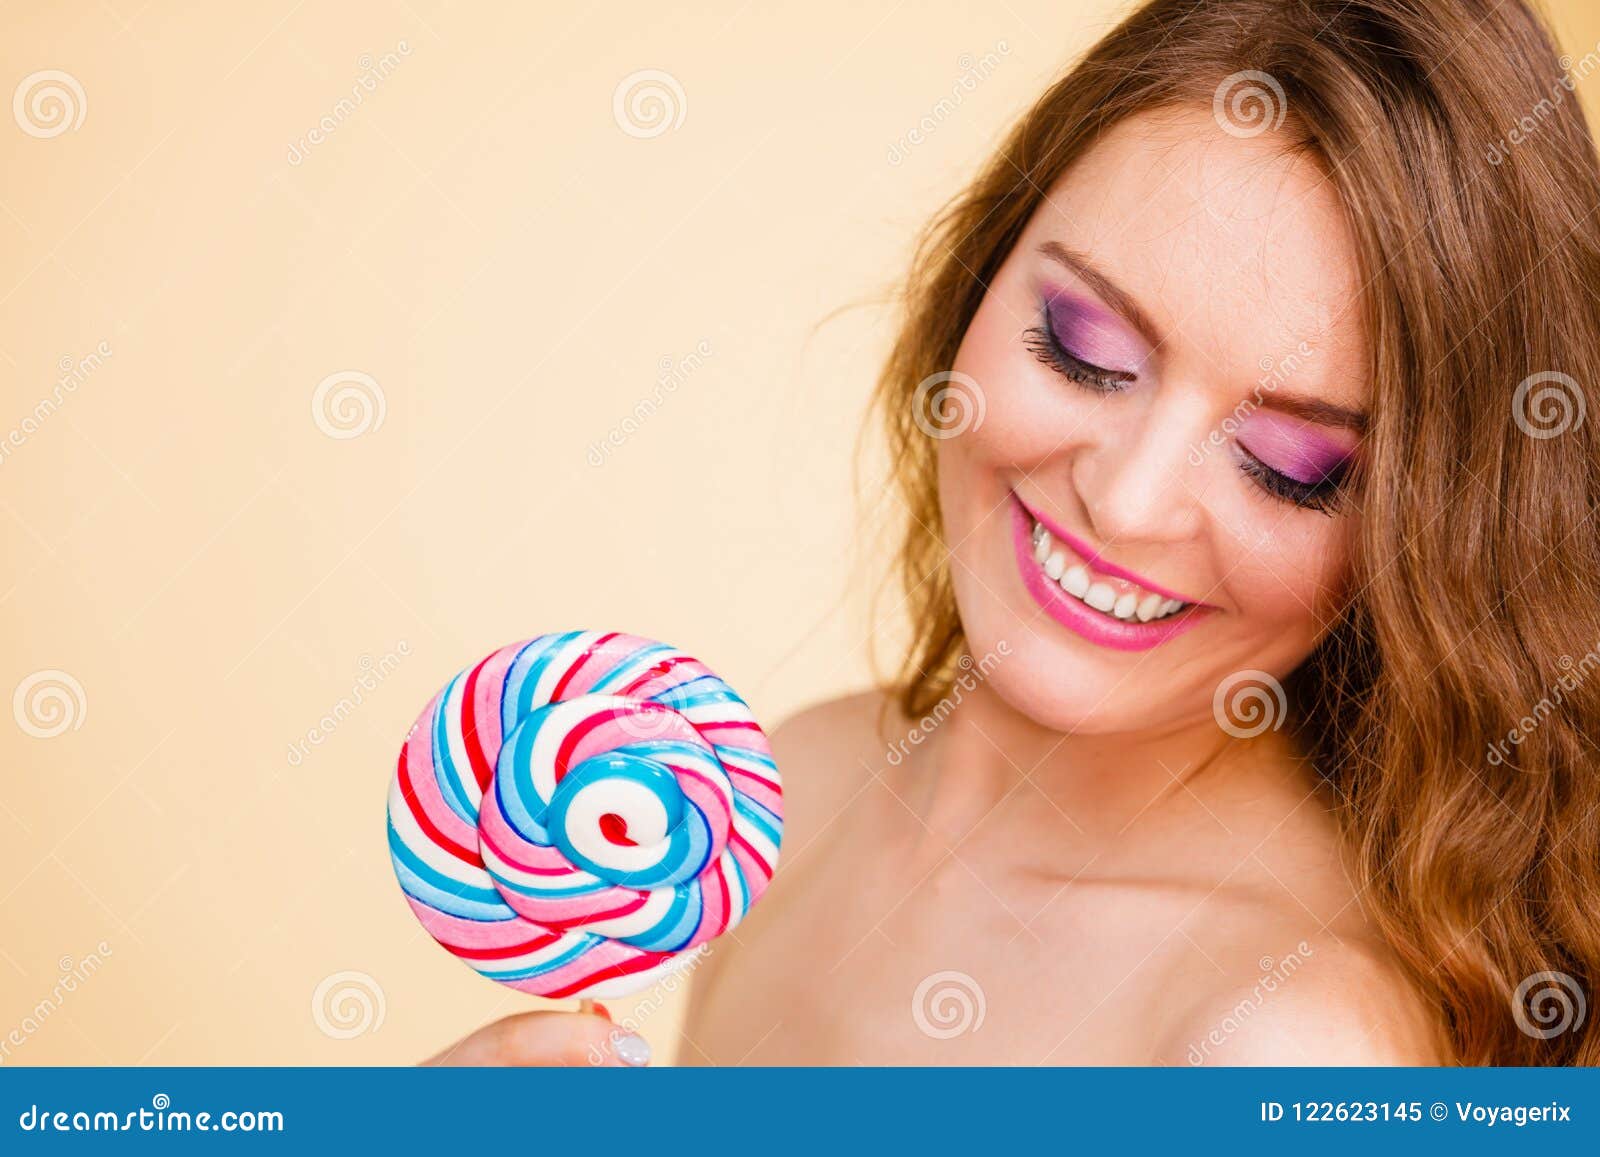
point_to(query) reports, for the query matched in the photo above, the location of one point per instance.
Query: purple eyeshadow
(1295, 449)
(1093, 334)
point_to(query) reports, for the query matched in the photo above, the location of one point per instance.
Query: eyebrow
(1317, 411)
(1121, 302)
(1119, 299)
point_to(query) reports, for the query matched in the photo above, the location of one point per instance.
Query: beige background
(513, 269)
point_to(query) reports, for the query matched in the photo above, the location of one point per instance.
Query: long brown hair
(1449, 707)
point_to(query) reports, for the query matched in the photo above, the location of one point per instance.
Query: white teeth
(1102, 596)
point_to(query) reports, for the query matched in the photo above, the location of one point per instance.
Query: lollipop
(578, 814)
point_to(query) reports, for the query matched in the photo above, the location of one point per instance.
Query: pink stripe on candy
(609, 960)
(575, 682)
(424, 780)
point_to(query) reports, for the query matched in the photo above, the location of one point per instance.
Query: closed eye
(1325, 496)
(1046, 346)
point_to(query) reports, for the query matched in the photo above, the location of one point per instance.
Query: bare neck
(986, 752)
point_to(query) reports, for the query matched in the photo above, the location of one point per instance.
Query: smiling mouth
(1107, 604)
(1113, 597)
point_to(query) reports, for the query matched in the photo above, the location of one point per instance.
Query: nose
(1137, 482)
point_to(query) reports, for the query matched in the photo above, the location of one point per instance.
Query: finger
(547, 1039)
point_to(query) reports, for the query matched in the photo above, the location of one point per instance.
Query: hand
(547, 1040)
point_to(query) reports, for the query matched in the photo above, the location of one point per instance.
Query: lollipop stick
(586, 1006)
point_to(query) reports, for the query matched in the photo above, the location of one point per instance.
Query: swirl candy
(578, 814)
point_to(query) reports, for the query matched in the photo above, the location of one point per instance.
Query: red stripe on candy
(570, 741)
(469, 730)
(659, 669)
(627, 909)
(644, 963)
(560, 692)
(509, 950)
(735, 838)
(418, 813)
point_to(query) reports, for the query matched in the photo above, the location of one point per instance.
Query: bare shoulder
(858, 714)
(1332, 1001)
(823, 753)
(1282, 963)
(819, 751)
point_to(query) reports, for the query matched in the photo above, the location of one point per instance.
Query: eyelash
(1047, 347)
(1324, 497)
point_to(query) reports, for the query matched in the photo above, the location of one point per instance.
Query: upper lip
(1097, 561)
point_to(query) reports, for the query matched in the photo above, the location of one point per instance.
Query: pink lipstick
(1071, 611)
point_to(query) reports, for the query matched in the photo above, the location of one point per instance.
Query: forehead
(1238, 250)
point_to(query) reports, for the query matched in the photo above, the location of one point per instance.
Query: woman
(1238, 422)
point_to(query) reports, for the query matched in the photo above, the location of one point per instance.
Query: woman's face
(1165, 387)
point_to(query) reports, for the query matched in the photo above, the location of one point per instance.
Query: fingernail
(604, 1011)
(632, 1050)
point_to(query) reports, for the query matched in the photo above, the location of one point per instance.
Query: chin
(1055, 683)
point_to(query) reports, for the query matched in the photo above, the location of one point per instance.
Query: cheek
(1292, 572)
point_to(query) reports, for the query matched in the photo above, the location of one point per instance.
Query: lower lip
(1118, 634)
